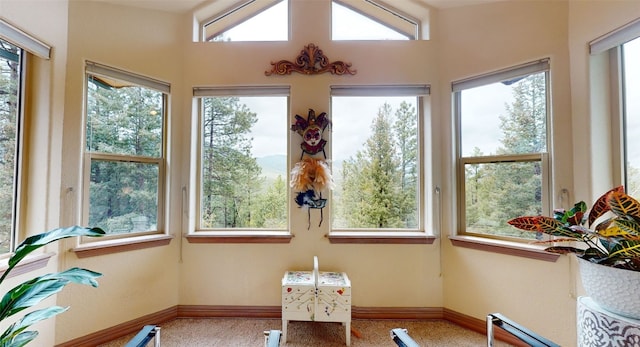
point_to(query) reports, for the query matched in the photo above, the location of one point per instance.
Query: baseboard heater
(142, 338)
(402, 339)
(515, 329)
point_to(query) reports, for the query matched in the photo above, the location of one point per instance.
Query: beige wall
(138, 282)
(46, 108)
(480, 39)
(241, 274)
(464, 42)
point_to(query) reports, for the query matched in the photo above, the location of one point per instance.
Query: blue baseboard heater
(272, 338)
(515, 329)
(402, 338)
(142, 338)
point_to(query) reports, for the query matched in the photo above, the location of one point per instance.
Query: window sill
(240, 237)
(28, 264)
(98, 248)
(504, 247)
(381, 237)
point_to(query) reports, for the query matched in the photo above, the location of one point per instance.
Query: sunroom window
(242, 171)
(125, 151)
(376, 158)
(10, 121)
(502, 132)
(631, 88)
(617, 56)
(16, 47)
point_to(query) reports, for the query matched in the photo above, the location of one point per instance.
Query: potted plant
(609, 255)
(32, 292)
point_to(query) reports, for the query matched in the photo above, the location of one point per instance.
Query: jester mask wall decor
(311, 130)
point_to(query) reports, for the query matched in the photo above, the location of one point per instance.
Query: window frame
(385, 15)
(236, 15)
(18, 169)
(29, 47)
(419, 235)
(523, 70)
(88, 245)
(234, 235)
(606, 57)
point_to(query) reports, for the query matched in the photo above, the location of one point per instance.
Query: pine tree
(406, 133)
(124, 121)
(9, 78)
(230, 175)
(270, 210)
(497, 192)
(372, 194)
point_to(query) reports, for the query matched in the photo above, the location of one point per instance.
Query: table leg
(348, 332)
(284, 330)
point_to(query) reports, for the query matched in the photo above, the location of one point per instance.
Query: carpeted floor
(236, 332)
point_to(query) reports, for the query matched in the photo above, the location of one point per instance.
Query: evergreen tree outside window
(502, 134)
(125, 150)
(11, 72)
(376, 155)
(243, 178)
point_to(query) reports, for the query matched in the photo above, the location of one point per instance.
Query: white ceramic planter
(615, 290)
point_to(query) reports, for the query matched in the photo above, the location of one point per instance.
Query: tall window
(15, 47)
(502, 149)
(10, 121)
(376, 158)
(615, 77)
(243, 181)
(631, 114)
(266, 20)
(125, 151)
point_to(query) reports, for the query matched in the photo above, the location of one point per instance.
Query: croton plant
(613, 241)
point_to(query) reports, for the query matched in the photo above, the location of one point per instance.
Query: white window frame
(97, 69)
(420, 91)
(523, 70)
(228, 18)
(386, 15)
(239, 91)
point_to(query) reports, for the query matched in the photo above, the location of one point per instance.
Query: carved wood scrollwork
(311, 61)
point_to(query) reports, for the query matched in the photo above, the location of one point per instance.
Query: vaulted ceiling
(183, 6)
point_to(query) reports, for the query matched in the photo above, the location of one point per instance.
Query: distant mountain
(273, 165)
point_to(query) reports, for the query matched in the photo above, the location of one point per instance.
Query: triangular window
(360, 21)
(261, 21)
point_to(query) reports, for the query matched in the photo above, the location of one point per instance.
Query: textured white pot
(615, 290)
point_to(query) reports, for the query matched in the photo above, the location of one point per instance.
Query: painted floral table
(316, 296)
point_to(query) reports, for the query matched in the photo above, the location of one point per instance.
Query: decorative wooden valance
(311, 61)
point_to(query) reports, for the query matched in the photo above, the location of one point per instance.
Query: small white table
(598, 327)
(316, 296)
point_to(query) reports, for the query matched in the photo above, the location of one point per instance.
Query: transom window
(376, 158)
(502, 134)
(367, 20)
(253, 21)
(243, 180)
(125, 151)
